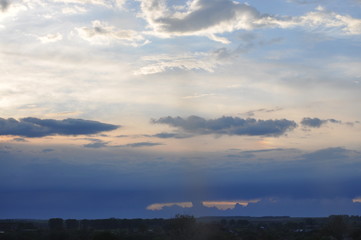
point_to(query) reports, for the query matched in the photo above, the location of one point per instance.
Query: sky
(149, 108)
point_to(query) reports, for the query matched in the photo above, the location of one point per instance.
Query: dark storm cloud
(35, 127)
(316, 122)
(4, 4)
(229, 125)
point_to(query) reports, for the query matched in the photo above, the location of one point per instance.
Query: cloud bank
(35, 127)
(229, 125)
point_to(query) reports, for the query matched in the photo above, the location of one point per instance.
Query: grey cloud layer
(35, 127)
(230, 125)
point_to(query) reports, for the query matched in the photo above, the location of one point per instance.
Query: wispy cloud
(305, 1)
(103, 33)
(169, 135)
(48, 150)
(140, 144)
(261, 110)
(50, 38)
(106, 3)
(96, 143)
(19, 140)
(319, 20)
(206, 61)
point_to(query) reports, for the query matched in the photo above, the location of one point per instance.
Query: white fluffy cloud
(199, 17)
(213, 17)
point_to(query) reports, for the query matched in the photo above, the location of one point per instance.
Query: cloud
(96, 143)
(229, 125)
(169, 135)
(11, 9)
(187, 61)
(50, 38)
(48, 150)
(104, 34)
(262, 110)
(35, 127)
(211, 18)
(224, 205)
(319, 20)
(4, 4)
(141, 144)
(329, 154)
(304, 1)
(198, 95)
(160, 206)
(19, 140)
(313, 122)
(316, 122)
(267, 150)
(200, 17)
(264, 207)
(106, 3)
(74, 10)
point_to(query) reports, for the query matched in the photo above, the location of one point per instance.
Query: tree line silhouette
(185, 227)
